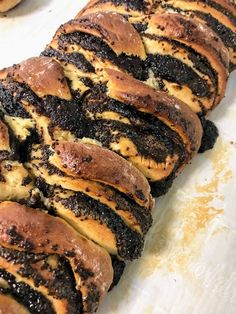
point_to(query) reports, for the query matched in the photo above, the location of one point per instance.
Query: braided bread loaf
(86, 129)
(187, 55)
(156, 49)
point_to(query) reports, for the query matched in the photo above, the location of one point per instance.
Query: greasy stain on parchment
(182, 227)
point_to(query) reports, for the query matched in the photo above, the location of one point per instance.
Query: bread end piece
(43, 75)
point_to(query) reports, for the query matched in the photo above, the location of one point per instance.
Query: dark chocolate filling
(136, 5)
(9, 103)
(143, 216)
(61, 284)
(71, 115)
(147, 142)
(213, 24)
(25, 148)
(44, 187)
(174, 70)
(87, 82)
(225, 33)
(132, 64)
(129, 242)
(19, 257)
(118, 267)
(18, 240)
(161, 187)
(65, 114)
(34, 301)
(75, 58)
(200, 62)
(210, 135)
(220, 8)
(140, 27)
(92, 298)
(160, 140)
(232, 66)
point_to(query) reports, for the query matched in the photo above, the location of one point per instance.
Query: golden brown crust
(10, 306)
(43, 75)
(113, 28)
(95, 163)
(177, 115)
(42, 232)
(197, 36)
(6, 5)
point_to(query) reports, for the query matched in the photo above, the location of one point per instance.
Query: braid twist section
(218, 15)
